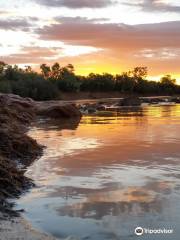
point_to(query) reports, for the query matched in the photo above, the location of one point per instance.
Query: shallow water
(101, 178)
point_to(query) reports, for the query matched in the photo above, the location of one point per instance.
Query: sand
(19, 228)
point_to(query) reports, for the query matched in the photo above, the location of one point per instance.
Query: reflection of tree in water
(168, 111)
(58, 124)
(139, 114)
(108, 117)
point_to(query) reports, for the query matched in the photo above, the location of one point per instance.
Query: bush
(53, 79)
(38, 89)
(5, 87)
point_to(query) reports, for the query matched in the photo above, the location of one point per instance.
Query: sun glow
(112, 39)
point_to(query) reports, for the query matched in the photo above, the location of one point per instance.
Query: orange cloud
(80, 31)
(123, 46)
(120, 47)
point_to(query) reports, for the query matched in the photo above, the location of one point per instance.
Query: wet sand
(19, 229)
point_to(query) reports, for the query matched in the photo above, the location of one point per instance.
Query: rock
(14, 117)
(130, 101)
(91, 110)
(101, 107)
(12, 181)
(175, 99)
(17, 145)
(59, 111)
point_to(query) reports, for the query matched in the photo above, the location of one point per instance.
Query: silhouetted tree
(168, 84)
(55, 71)
(140, 72)
(67, 81)
(45, 70)
(125, 83)
(53, 79)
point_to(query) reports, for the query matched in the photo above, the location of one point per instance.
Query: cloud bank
(76, 3)
(155, 5)
(15, 24)
(80, 31)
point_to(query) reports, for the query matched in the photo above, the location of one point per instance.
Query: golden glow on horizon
(157, 78)
(113, 70)
(85, 71)
(98, 69)
(90, 39)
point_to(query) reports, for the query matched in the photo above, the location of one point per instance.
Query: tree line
(52, 80)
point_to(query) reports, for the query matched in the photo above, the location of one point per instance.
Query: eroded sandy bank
(17, 151)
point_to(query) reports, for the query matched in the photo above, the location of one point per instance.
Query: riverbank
(68, 96)
(18, 151)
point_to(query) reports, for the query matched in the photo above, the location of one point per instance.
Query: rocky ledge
(17, 150)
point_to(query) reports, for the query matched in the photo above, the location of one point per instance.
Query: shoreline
(18, 151)
(70, 96)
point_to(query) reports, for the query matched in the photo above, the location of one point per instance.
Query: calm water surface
(101, 178)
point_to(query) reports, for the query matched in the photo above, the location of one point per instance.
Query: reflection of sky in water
(110, 174)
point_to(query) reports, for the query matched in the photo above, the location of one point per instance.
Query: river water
(101, 178)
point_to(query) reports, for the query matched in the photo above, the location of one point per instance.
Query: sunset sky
(94, 35)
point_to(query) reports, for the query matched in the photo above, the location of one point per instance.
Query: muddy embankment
(17, 150)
